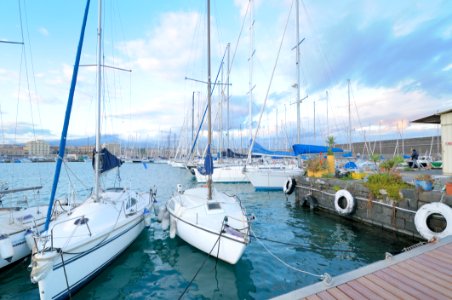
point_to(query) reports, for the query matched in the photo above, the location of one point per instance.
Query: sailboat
(276, 176)
(78, 244)
(207, 219)
(18, 222)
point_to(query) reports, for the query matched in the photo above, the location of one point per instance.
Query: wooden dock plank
(354, 294)
(439, 256)
(338, 294)
(325, 295)
(388, 286)
(420, 282)
(436, 277)
(402, 285)
(431, 263)
(362, 289)
(423, 272)
(382, 292)
(314, 297)
(433, 271)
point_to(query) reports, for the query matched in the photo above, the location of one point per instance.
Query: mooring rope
(286, 264)
(304, 246)
(203, 263)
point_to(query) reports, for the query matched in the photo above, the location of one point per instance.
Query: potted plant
(424, 181)
(317, 167)
(330, 155)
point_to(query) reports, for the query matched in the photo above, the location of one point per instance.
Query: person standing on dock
(414, 157)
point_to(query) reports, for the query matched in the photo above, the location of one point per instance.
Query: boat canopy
(299, 149)
(259, 150)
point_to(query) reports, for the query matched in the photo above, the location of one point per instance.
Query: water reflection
(176, 264)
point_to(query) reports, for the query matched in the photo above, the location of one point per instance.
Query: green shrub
(391, 182)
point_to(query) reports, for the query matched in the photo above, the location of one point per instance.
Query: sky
(367, 69)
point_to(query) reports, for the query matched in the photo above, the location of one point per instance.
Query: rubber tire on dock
(423, 213)
(289, 186)
(350, 204)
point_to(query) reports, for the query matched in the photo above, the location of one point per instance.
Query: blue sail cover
(107, 160)
(299, 149)
(207, 169)
(259, 150)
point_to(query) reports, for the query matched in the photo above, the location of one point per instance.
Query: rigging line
(283, 262)
(269, 86)
(24, 53)
(31, 61)
(199, 269)
(238, 38)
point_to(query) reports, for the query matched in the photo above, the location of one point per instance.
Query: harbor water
(290, 248)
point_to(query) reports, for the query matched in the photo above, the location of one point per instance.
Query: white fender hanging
(173, 228)
(147, 217)
(6, 248)
(161, 213)
(422, 215)
(350, 203)
(165, 220)
(289, 186)
(29, 238)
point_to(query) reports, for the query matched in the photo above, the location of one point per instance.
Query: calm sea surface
(157, 267)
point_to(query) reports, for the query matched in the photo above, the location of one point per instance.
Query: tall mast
(349, 119)
(99, 95)
(251, 59)
(227, 94)
(209, 112)
(298, 74)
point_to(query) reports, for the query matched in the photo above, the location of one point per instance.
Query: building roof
(432, 119)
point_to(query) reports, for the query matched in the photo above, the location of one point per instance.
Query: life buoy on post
(344, 203)
(422, 215)
(289, 186)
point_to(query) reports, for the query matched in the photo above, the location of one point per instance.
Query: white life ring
(350, 204)
(289, 186)
(423, 213)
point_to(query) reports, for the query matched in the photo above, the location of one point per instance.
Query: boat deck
(421, 273)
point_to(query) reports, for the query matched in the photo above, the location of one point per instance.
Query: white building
(445, 120)
(37, 148)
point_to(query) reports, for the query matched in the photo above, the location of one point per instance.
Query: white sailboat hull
(204, 228)
(14, 224)
(271, 178)
(226, 174)
(74, 253)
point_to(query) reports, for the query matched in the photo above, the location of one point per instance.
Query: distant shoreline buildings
(41, 150)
